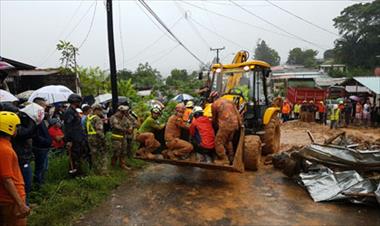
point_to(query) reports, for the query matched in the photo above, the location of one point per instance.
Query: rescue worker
(177, 148)
(296, 110)
(146, 132)
(96, 140)
(311, 111)
(133, 122)
(286, 109)
(188, 111)
(13, 208)
(334, 117)
(322, 112)
(202, 132)
(119, 129)
(303, 111)
(75, 137)
(227, 120)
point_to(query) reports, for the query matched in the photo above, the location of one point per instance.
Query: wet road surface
(170, 196)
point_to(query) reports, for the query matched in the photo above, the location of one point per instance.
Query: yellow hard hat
(9, 122)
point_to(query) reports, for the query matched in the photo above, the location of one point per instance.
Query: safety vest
(335, 115)
(90, 129)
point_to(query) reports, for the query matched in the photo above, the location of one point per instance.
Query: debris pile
(338, 169)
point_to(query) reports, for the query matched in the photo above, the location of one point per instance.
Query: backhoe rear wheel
(252, 152)
(272, 136)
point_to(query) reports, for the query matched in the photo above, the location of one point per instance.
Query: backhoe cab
(244, 83)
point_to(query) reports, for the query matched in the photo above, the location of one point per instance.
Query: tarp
(6, 96)
(327, 185)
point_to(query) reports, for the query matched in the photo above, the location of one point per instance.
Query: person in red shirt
(13, 209)
(56, 134)
(202, 132)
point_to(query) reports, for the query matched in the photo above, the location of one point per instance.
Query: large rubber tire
(252, 152)
(272, 136)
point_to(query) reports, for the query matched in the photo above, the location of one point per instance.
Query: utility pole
(111, 50)
(217, 53)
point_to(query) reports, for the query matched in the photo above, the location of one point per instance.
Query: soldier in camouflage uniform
(96, 140)
(120, 129)
(133, 124)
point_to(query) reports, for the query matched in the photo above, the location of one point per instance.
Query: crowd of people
(345, 113)
(31, 132)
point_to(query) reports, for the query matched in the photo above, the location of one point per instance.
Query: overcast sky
(30, 30)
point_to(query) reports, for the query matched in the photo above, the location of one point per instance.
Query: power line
(169, 31)
(192, 25)
(276, 26)
(62, 31)
(154, 42)
(239, 21)
(91, 25)
(162, 56)
(303, 19)
(217, 34)
(155, 24)
(121, 35)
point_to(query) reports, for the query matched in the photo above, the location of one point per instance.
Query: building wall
(19, 84)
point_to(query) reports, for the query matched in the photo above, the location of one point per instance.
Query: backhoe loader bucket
(237, 165)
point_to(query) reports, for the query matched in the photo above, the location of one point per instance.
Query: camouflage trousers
(98, 152)
(119, 147)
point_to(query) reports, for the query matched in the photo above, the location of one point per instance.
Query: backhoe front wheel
(252, 152)
(272, 136)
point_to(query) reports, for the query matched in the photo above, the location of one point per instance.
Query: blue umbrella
(182, 97)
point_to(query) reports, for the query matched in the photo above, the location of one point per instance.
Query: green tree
(180, 81)
(267, 54)
(94, 81)
(146, 77)
(306, 58)
(328, 54)
(359, 26)
(68, 54)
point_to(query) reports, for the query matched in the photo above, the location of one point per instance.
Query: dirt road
(169, 195)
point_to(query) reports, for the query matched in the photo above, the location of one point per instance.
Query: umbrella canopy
(53, 94)
(355, 98)
(182, 97)
(4, 66)
(6, 96)
(25, 94)
(107, 97)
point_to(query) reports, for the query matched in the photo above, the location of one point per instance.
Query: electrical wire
(90, 28)
(62, 32)
(303, 19)
(239, 21)
(166, 53)
(153, 43)
(155, 24)
(276, 26)
(121, 36)
(187, 15)
(169, 31)
(217, 34)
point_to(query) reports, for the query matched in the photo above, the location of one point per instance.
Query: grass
(62, 199)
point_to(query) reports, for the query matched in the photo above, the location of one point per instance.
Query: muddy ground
(170, 195)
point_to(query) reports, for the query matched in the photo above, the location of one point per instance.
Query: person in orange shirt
(177, 148)
(226, 118)
(286, 109)
(13, 209)
(188, 111)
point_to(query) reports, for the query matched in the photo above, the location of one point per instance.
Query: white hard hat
(335, 106)
(190, 104)
(197, 109)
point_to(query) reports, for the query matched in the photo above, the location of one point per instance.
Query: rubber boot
(122, 164)
(222, 160)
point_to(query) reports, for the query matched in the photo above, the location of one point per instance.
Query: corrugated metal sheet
(372, 83)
